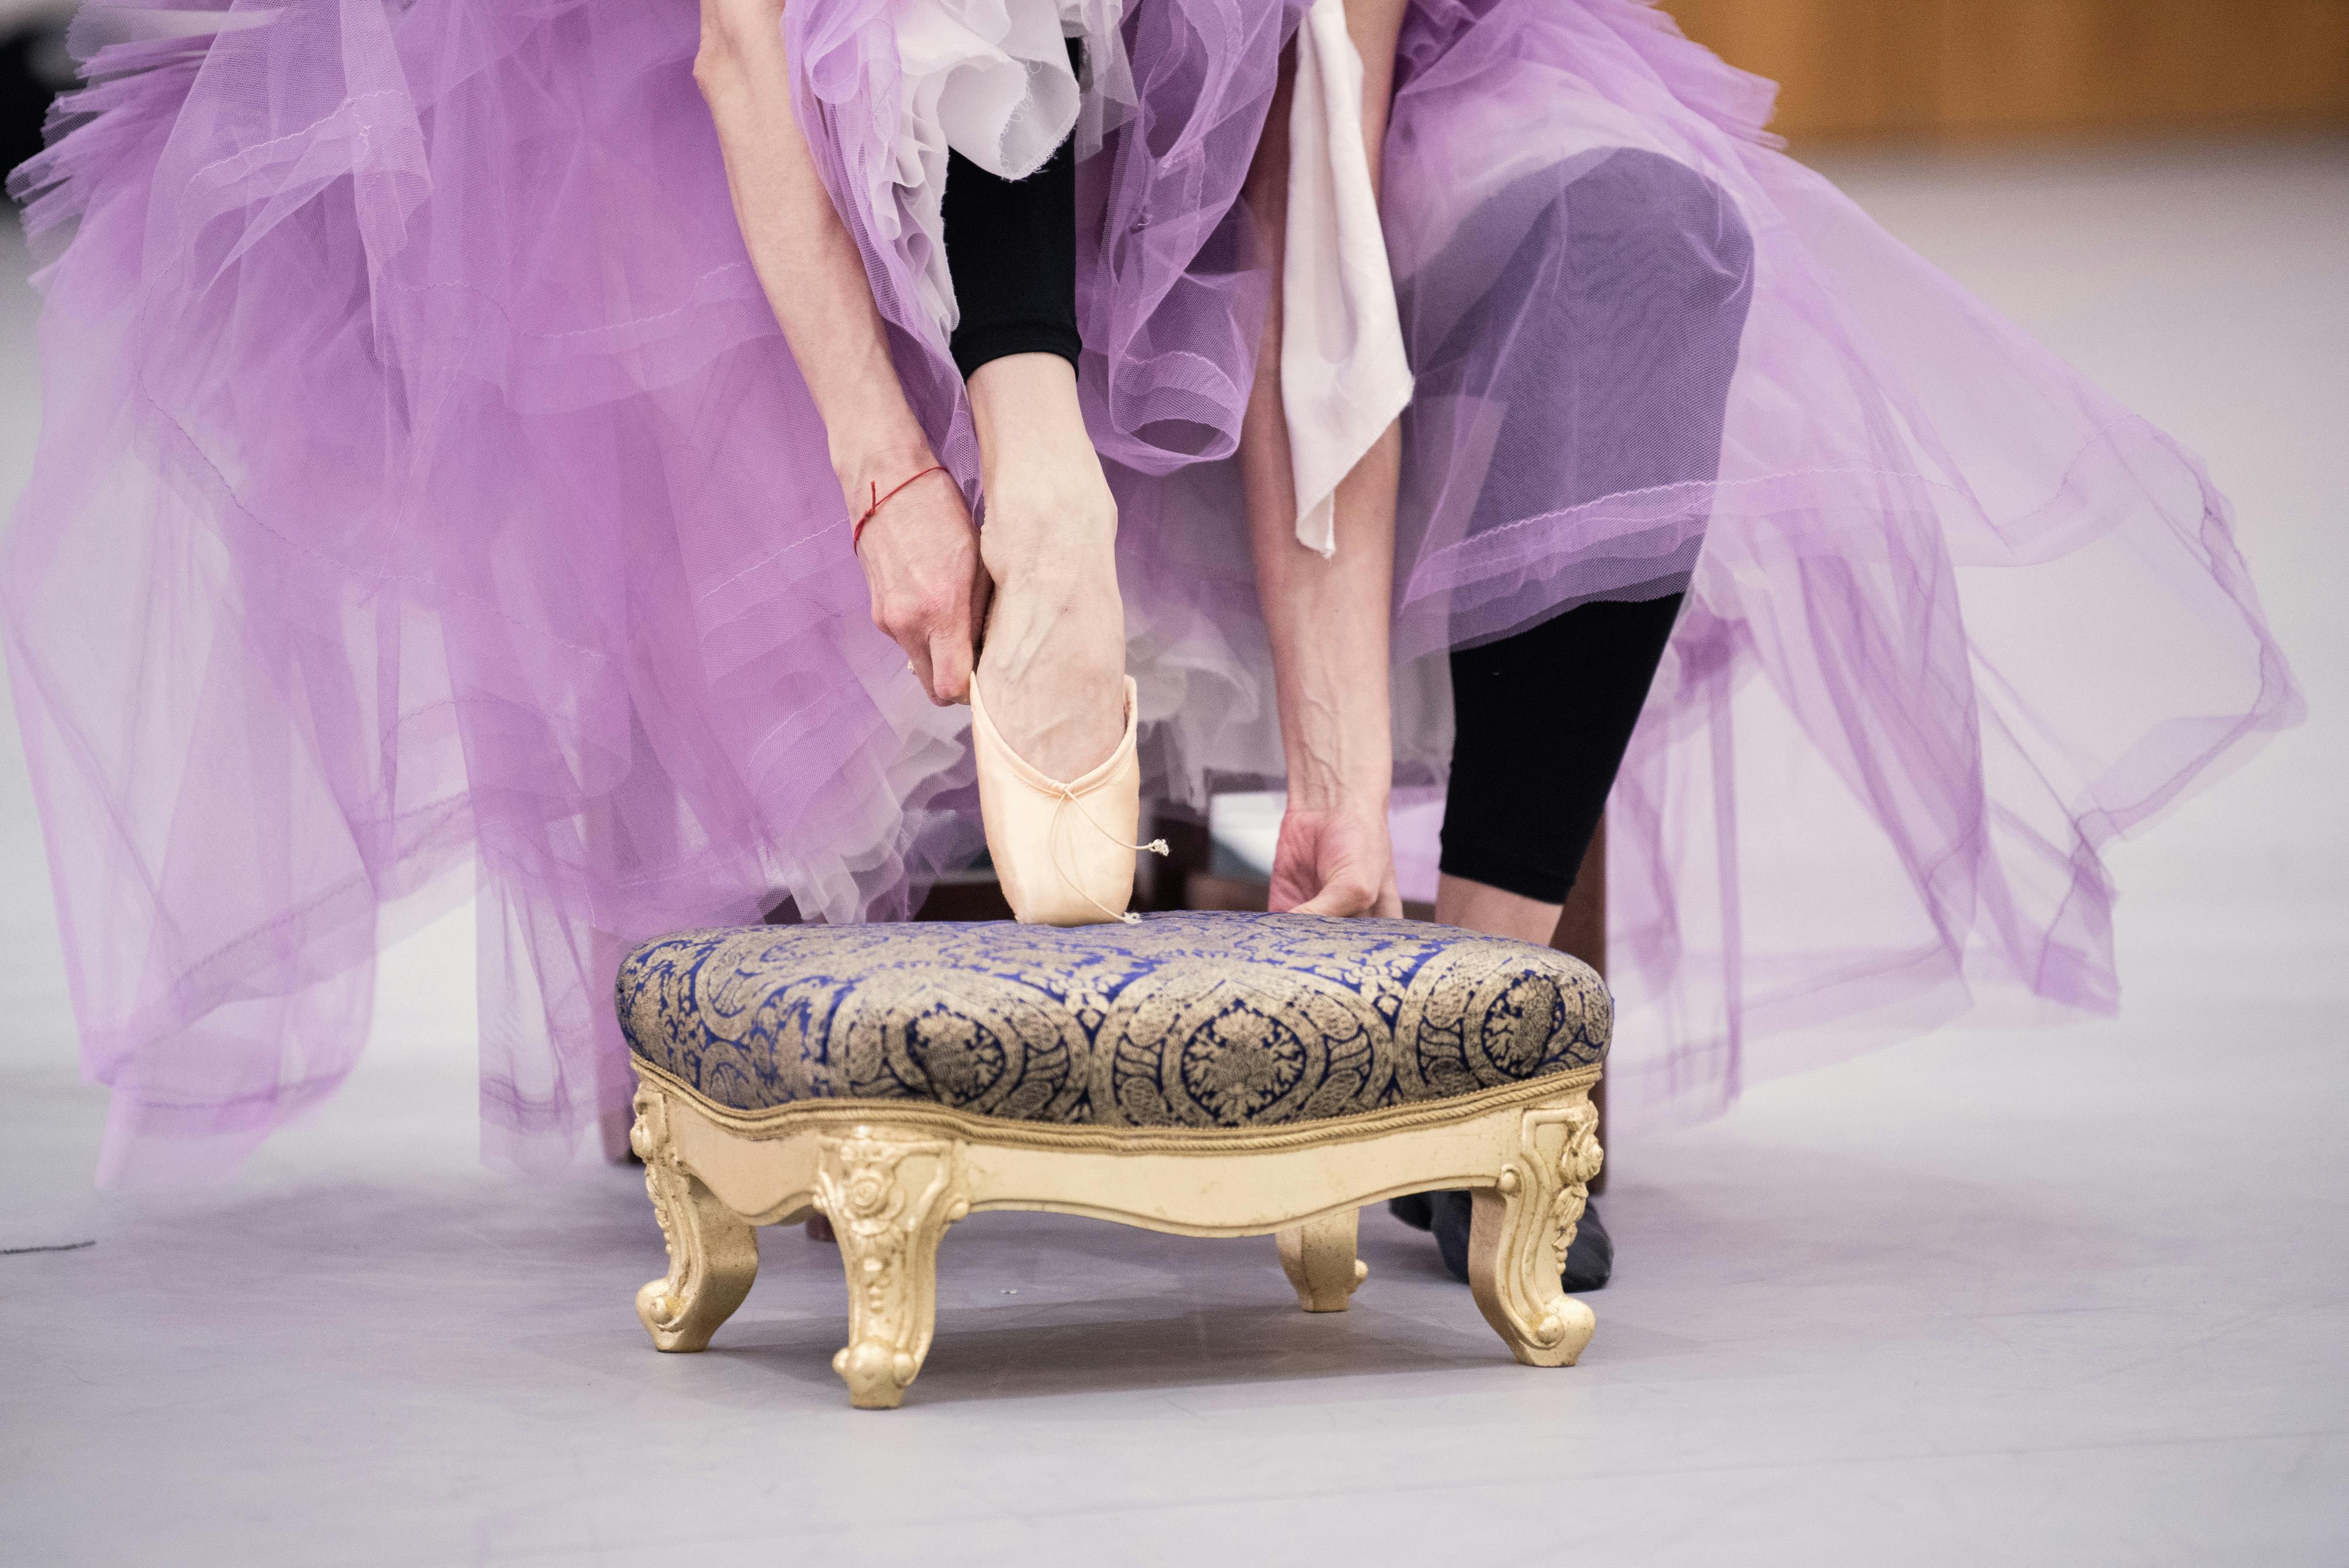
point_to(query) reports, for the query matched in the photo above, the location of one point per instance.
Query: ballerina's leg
(1054, 655)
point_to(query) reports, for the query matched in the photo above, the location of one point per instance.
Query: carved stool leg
(1319, 1259)
(890, 1197)
(713, 1252)
(1519, 1231)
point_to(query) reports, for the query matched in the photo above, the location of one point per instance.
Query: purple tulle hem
(425, 487)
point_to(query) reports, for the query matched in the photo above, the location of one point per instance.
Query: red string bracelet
(856, 535)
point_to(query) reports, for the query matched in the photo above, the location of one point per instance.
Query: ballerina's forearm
(1328, 619)
(807, 261)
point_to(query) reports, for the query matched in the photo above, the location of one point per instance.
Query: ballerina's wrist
(1322, 792)
(862, 471)
(1340, 756)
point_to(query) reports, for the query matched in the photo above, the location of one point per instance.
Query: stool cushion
(1184, 1019)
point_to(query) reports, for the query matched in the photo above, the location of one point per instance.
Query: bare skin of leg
(1328, 617)
(1480, 907)
(1054, 649)
(920, 554)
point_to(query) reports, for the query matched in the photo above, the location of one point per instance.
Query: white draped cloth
(1343, 374)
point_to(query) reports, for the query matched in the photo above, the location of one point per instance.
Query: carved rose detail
(1578, 1166)
(648, 1138)
(888, 1198)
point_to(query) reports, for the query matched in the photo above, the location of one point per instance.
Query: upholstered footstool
(1209, 1075)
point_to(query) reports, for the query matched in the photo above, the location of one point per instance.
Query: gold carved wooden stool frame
(891, 1176)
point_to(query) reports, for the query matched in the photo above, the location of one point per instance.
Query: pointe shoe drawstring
(1068, 797)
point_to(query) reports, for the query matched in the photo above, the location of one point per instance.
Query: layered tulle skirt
(424, 488)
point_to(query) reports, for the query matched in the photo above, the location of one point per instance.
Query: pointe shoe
(1063, 852)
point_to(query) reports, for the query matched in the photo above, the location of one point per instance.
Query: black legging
(1542, 718)
(1651, 270)
(1011, 251)
(1540, 722)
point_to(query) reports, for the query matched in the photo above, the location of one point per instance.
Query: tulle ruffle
(992, 80)
(425, 483)
(1955, 619)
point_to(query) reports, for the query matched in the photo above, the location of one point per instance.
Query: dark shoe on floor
(1450, 1212)
(1416, 1209)
(1590, 1259)
(1588, 1262)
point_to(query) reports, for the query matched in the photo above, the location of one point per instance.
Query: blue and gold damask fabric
(1185, 1019)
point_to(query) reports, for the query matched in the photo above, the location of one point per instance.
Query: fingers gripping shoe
(1063, 852)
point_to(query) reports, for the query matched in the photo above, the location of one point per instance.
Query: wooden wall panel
(1843, 67)
(1975, 69)
(2021, 65)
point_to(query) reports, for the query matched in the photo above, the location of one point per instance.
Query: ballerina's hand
(1335, 861)
(921, 560)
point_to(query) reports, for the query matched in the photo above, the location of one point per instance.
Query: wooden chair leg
(1520, 1229)
(1319, 1259)
(713, 1252)
(890, 1196)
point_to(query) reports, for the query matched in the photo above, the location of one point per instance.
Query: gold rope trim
(802, 1116)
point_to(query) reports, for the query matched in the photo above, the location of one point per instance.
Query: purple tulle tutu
(425, 484)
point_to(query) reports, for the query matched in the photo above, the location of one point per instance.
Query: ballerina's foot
(1052, 717)
(1054, 658)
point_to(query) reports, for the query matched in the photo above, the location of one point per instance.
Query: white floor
(2075, 1297)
